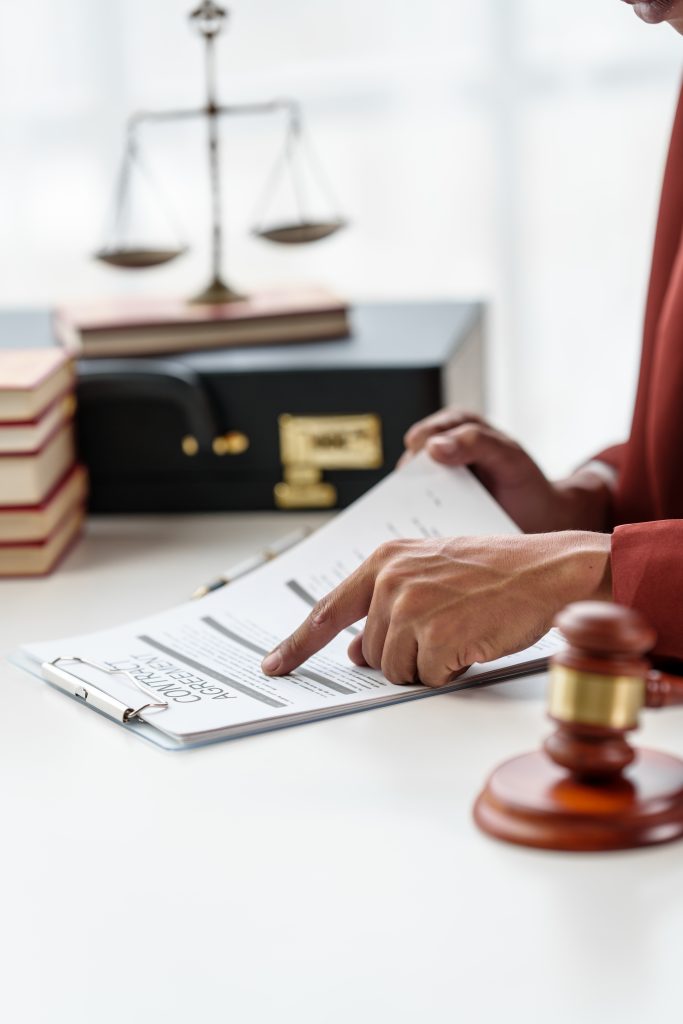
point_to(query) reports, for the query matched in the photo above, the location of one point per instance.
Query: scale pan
(301, 232)
(137, 259)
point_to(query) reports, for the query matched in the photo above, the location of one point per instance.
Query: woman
(613, 529)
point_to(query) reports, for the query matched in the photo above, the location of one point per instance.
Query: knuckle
(328, 606)
(394, 675)
(432, 635)
(435, 678)
(320, 610)
(478, 651)
(389, 580)
(372, 659)
(390, 673)
(386, 577)
(416, 435)
(388, 550)
(405, 608)
(397, 665)
(468, 435)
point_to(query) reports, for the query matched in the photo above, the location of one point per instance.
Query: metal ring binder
(99, 699)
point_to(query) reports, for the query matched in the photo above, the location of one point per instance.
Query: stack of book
(42, 489)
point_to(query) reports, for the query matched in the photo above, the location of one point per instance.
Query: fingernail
(446, 444)
(272, 662)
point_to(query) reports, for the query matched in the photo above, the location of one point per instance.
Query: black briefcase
(289, 427)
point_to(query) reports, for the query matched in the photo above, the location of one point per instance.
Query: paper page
(204, 657)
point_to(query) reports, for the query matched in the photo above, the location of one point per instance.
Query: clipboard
(97, 697)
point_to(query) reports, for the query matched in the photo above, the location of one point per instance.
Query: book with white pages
(191, 674)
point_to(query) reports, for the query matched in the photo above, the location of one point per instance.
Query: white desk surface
(326, 873)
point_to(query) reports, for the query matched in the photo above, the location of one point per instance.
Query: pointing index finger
(343, 606)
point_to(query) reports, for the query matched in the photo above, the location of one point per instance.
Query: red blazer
(647, 554)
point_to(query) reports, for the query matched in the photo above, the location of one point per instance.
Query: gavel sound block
(588, 788)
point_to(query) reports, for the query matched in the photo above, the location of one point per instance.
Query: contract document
(191, 674)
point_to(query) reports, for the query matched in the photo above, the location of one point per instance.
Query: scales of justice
(209, 19)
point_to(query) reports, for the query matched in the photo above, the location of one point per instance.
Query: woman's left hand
(434, 607)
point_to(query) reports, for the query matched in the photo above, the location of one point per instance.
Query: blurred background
(509, 150)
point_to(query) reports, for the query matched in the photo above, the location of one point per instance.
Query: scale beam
(140, 117)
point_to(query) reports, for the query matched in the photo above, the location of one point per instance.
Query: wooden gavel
(588, 788)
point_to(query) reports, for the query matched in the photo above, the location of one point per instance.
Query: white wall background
(506, 149)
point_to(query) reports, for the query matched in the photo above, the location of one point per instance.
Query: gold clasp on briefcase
(310, 444)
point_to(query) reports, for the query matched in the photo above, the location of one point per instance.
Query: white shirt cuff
(607, 473)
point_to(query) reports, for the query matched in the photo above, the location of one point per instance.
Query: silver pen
(255, 562)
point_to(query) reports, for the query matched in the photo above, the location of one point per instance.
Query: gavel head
(597, 687)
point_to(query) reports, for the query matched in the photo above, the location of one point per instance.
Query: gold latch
(310, 444)
(232, 443)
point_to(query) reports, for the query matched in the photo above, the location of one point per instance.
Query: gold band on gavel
(591, 699)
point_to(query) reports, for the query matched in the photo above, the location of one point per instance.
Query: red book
(36, 558)
(25, 524)
(26, 478)
(31, 380)
(24, 437)
(150, 327)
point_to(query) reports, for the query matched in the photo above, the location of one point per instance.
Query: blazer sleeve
(612, 456)
(647, 574)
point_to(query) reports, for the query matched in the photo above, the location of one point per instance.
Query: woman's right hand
(538, 505)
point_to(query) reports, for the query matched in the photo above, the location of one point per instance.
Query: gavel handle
(663, 690)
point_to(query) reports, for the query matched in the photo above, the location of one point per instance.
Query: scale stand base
(216, 293)
(531, 801)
